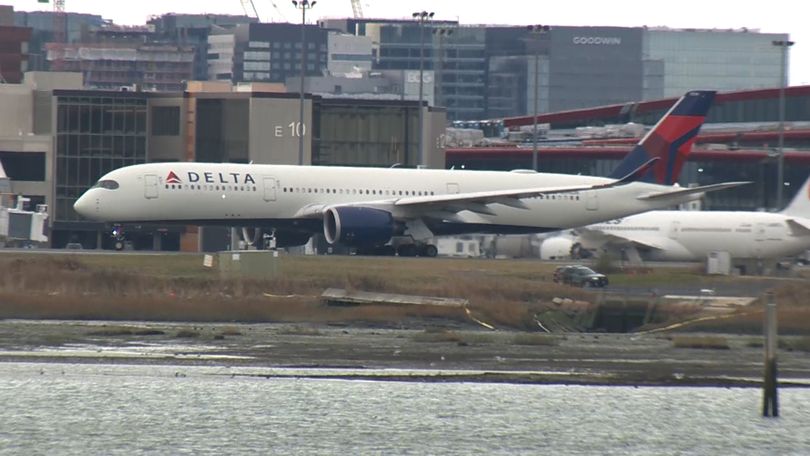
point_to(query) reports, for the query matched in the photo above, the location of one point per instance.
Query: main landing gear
(422, 250)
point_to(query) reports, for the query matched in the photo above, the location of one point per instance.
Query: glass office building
(96, 132)
(366, 133)
(721, 60)
(454, 54)
(487, 72)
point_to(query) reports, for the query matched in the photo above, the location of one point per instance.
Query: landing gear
(407, 250)
(428, 250)
(422, 250)
(384, 250)
(118, 234)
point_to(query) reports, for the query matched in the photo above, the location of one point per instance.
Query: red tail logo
(172, 178)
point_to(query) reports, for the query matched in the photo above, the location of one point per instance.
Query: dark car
(559, 273)
(582, 276)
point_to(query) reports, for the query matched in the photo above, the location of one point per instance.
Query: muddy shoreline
(361, 352)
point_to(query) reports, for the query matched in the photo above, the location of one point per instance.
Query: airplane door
(591, 200)
(674, 230)
(759, 232)
(150, 186)
(452, 189)
(269, 188)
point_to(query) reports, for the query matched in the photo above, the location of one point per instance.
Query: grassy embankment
(177, 287)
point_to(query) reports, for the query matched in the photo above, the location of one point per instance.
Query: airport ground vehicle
(580, 276)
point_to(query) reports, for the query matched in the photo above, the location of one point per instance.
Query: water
(115, 409)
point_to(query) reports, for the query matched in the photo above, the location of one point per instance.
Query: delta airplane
(369, 208)
(692, 235)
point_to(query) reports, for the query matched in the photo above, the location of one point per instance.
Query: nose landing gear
(117, 234)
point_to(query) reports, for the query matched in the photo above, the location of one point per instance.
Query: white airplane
(693, 235)
(369, 207)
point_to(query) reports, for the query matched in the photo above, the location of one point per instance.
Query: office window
(166, 120)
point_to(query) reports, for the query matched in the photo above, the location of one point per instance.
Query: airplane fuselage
(256, 195)
(692, 235)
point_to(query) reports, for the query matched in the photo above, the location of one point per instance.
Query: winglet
(692, 190)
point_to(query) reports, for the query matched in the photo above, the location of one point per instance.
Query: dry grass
(703, 342)
(792, 320)
(503, 293)
(172, 287)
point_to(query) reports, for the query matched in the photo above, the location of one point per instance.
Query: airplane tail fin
(799, 206)
(670, 140)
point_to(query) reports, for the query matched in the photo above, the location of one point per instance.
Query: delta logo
(172, 178)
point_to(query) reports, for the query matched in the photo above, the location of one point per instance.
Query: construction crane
(59, 26)
(248, 6)
(357, 9)
(245, 4)
(59, 21)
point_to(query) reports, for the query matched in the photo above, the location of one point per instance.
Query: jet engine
(284, 238)
(357, 226)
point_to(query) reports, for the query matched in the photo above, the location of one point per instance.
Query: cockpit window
(108, 184)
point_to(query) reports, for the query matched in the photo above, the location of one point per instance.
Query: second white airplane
(368, 207)
(693, 235)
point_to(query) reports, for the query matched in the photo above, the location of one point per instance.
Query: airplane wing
(452, 203)
(651, 242)
(476, 201)
(693, 190)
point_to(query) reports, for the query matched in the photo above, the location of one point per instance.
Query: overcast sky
(777, 16)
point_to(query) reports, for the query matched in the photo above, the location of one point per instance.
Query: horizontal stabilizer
(691, 191)
(637, 173)
(799, 227)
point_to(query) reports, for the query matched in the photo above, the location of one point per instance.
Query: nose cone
(85, 205)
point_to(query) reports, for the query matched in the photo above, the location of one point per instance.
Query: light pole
(303, 5)
(536, 31)
(780, 163)
(439, 64)
(422, 17)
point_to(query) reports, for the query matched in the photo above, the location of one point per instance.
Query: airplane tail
(799, 206)
(670, 140)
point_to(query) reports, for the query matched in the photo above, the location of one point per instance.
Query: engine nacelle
(357, 226)
(284, 238)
